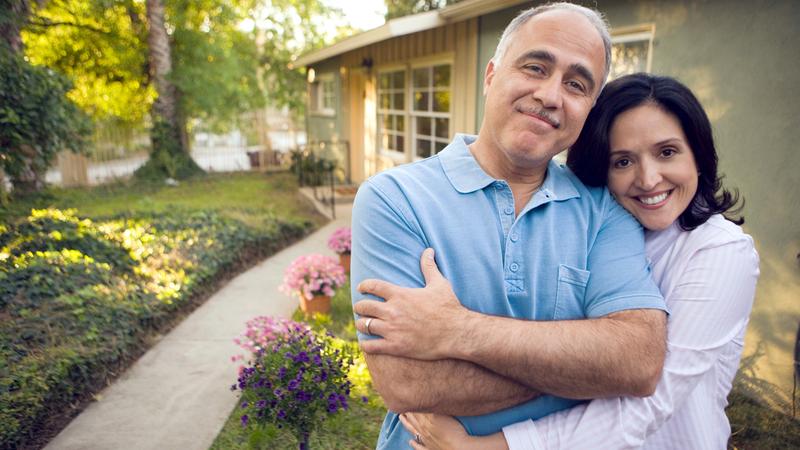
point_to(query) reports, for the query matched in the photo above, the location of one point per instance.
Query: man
(518, 236)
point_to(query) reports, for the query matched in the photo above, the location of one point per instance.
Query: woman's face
(652, 171)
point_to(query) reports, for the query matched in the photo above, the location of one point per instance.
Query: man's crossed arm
(437, 356)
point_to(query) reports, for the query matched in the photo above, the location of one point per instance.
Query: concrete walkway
(177, 396)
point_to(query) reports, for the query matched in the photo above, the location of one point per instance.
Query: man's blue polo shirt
(572, 252)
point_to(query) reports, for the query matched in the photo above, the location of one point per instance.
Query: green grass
(354, 429)
(247, 197)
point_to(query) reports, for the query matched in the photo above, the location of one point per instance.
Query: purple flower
(282, 372)
(261, 404)
(244, 420)
(364, 399)
(281, 414)
(293, 385)
(244, 404)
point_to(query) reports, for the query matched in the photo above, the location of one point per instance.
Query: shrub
(78, 297)
(37, 120)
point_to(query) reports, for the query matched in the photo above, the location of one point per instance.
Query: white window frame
(433, 115)
(639, 33)
(398, 156)
(409, 152)
(319, 94)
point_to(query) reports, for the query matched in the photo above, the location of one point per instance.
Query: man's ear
(488, 76)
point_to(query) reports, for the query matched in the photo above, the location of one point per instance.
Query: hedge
(79, 297)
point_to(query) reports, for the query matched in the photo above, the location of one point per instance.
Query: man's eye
(535, 68)
(575, 85)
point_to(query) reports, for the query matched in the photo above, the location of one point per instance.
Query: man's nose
(548, 92)
(648, 176)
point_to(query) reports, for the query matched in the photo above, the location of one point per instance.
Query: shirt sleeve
(709, 305)
(619, 249)
(387, 242)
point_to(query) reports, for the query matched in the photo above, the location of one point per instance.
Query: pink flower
(340, 240)
(311, 275)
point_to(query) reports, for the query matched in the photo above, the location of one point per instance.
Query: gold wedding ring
(369, 322)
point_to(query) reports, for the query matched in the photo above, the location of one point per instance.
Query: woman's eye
(668, 152)
(622, 163)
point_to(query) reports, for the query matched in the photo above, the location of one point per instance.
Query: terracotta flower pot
(344, 261)
(320, 304)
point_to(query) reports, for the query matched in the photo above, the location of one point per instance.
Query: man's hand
(415, 323)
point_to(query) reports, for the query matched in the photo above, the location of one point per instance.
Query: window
(631, 51)
(323, 95)
(414, 111)
(430, 112)
(392, 111)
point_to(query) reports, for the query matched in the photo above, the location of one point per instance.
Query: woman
(649, 140)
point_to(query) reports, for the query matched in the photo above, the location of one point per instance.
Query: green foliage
(758, 411)
(36, 119)
(101, 46)
(79, 296)
(400, 8)
(218, 68)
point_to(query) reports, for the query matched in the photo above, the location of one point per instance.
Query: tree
(400, 8)
(218, 67)
(37, 120)
(170, 154)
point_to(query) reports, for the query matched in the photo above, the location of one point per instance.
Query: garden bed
(84, 291)
(353, 429)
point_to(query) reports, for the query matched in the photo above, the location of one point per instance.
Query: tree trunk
(11, 21)
(164, 108)
(170, 156)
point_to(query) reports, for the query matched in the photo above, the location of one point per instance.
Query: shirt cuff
(523, 436)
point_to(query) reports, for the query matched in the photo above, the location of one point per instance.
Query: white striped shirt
(708, 278)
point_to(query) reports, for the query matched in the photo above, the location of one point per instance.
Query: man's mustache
(541, 114)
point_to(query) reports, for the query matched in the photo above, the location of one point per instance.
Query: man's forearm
(621, 354)
(451, 387)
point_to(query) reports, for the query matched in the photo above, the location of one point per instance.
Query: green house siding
(328, 127)
(740, 58)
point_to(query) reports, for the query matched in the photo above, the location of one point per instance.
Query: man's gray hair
(594, 17)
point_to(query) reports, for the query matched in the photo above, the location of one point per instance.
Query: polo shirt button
(514, 267)
(509, 210)
(514, 237)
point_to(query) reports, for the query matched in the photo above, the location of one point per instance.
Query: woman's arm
(709, 305)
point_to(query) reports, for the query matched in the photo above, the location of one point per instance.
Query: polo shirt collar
(460, 166)
(558, 184)
(467, 176)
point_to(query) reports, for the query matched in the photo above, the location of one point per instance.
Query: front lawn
(89, 276)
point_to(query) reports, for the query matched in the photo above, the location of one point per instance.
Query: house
(399, 92)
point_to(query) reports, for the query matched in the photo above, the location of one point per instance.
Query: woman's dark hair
(589, 157)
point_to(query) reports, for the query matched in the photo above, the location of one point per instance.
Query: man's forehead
(557, 30)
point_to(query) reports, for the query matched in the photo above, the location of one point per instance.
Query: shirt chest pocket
(571, 292)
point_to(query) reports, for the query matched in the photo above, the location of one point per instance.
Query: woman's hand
(420, 323)
(438, 432)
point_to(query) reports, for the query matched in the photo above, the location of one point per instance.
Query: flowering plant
(312, 275)
(339, 241)
(296, 379)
